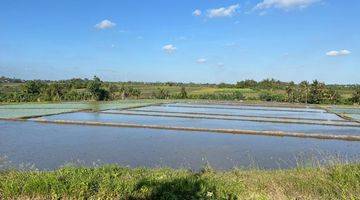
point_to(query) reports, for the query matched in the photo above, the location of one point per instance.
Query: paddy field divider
(194, 129)
(273, 120)
(232, 115)
(239, 108)
(343, 116)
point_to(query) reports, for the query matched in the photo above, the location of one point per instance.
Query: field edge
(338, 181)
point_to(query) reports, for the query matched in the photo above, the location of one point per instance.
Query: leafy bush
(161, 94)
(267, 96)
(356, 96)
(236, 95)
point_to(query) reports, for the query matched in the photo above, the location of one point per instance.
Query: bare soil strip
(235, 115)
(273, 120)
(238, 108)
(229, 131)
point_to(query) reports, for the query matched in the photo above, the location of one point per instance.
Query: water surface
(260, 113)
(246, 107)
(206, 123)
(49, 146)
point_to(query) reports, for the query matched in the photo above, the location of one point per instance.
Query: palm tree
(317, 92)
(290, 90)
(304, 89)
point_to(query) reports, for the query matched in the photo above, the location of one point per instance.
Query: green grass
(148, 90)
(114, 182)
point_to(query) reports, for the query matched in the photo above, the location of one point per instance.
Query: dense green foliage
(15, 90)
(356, 96)
(114, 182)
(235, 95)
(96, 91)
(161, 94)
(71, 90)
(315, 93)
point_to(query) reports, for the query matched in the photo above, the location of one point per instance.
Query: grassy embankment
(113, 182)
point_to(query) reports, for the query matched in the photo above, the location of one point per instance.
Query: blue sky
(187, 40)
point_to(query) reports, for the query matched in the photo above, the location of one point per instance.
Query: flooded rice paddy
(11, 111)
(48, 144)
(205, 123)
(255, 112)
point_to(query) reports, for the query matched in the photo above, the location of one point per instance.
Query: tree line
(95, 89)
(70, 90)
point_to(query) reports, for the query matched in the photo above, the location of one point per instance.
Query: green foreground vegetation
(15, 90)
(341, 181)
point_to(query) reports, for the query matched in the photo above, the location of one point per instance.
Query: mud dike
(195, 129)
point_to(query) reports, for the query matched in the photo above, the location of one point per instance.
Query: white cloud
(169, 48)
(223, 11)
(284, 4)
(332, 53)
(345, 52)
(105, 24)
(338, 53)
(197, 12)
(201, 60)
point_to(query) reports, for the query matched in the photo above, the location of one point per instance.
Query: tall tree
(290, 91)
(112, 88)
(54, 92)
(96, 91)
(304, 91)
(33, 87)
(317, 91)
(183, 93)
